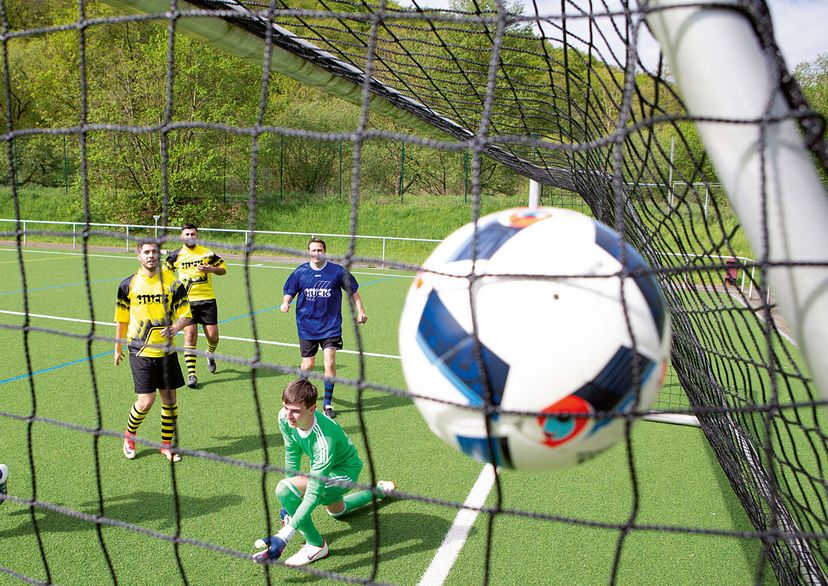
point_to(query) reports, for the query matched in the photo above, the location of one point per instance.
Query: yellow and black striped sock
(190, 359)
(169, 416)
(136, 418)
(211, 347)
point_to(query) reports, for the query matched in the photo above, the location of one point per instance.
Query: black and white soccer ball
(569, 339)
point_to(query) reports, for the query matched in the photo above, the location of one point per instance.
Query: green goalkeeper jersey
(331, 453)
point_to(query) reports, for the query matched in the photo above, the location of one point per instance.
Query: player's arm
(319, 471)
(360, 307)
(293, 453)
(290, 291)
(214, 265)
(121, 328)
(180, 311)
(122, 317)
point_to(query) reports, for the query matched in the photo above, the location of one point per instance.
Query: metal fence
(127, 232)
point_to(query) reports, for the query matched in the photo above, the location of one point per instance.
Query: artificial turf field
(685, 525)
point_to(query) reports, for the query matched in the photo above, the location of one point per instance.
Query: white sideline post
(722, 72)
(534, 194)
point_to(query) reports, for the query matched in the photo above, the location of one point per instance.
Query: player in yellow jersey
(151, 307)
(196, 265)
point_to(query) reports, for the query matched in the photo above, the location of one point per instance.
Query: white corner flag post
(534, 194)
(722, 73)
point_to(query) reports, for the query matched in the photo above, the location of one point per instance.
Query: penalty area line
(457, 534)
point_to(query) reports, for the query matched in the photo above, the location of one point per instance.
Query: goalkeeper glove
(275, 545)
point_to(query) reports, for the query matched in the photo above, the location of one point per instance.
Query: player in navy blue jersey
(317, 286)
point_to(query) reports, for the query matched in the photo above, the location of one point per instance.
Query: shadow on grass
(240, 445)
(229, 375)
(143, 508)
(401, 535)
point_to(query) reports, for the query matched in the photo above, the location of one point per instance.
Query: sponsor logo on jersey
(319, 290)
(151, 298)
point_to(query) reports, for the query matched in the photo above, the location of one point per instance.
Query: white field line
(760, 316)
(231, 264)
(457, 534)
(455, 539)
(234, 338)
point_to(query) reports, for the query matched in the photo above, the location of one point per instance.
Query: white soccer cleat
(308, 554)
(386, 486)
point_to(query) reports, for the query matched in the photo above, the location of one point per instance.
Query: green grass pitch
(562, 527)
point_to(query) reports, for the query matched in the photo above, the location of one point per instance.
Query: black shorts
(204, 312)
(308, 348)
(149, 374)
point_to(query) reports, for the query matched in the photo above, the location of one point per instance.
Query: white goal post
(715, 57)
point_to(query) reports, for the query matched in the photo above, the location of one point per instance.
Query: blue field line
(80, 360)
(31, 289)
(44, 370)
(258, 311)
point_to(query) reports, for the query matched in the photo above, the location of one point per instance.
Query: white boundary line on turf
(455, 539)
(234, 338)
(258, 265)
(457, 534)
(762, 317)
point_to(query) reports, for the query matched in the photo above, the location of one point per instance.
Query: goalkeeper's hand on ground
(274, 545)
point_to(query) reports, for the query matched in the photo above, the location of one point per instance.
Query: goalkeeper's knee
(288, 495)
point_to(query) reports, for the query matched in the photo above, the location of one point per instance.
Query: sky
(801, 26)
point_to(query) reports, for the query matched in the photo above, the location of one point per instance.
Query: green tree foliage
(813, 78)
(139, 153)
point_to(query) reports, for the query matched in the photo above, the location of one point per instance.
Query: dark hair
(144, 241)
(300, 391)
(189, 227)
(320, 241)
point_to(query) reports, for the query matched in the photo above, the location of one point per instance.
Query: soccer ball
(559, 366)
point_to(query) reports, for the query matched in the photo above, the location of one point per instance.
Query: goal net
(677, 124)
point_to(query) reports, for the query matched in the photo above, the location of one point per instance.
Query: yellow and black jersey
(186, 262)
(149, 304)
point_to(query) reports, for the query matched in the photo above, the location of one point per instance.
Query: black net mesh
(496, 96)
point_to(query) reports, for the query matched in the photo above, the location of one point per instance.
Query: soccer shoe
(4, 477)
(129, 445)
(211, 362)
(386, 486)
(329, 411)
(192, 381)
(167, 452)
(308, 554)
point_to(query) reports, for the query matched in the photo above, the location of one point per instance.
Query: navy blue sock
(329, 388)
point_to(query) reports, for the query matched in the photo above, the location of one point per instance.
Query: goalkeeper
(334, 467)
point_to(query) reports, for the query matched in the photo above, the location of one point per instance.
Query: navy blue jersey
(318, 296)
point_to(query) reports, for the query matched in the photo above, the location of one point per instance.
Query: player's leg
(171, 379)
(308, 350)
(169, 419)
(290, 491)
(144, 386)
(211, 332)
(329, 348)
(208, 317)
(339, 502)
(190, 340)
